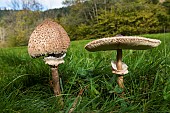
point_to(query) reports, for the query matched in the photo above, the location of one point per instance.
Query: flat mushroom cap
(122, 42)
(48, 38)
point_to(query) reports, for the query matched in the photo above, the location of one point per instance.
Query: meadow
(25, 87)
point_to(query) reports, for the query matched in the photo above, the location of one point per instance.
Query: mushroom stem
(56, 84)
(55, 80)
(119, 59)
(119, 67)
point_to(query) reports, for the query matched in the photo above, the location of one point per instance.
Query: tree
(33, 5)
(103, 18)
(22, 23)
(22, 20)
(167, 5)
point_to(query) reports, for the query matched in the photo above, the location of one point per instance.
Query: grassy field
(25, 88)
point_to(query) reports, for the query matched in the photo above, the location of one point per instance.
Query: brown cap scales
(122, 42)
(48, 38)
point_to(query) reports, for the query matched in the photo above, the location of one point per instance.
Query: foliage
(167, 5)
(102, 19)
(89, 19)
(23, 23)
(25, 88)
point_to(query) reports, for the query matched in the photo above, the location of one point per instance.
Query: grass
(25, 88)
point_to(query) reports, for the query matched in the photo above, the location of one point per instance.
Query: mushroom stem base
(56, 84)
(55, 80)
(120, 81)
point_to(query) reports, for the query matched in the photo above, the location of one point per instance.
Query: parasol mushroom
(118, 43)
(49, 39)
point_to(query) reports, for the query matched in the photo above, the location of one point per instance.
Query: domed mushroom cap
(48, 38)
(122, 42)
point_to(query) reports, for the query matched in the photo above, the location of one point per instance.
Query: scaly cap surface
(48, 38)
(122, 42)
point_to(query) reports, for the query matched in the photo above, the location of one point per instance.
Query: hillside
(90, 19)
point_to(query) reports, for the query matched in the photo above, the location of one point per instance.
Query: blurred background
(83, 19)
